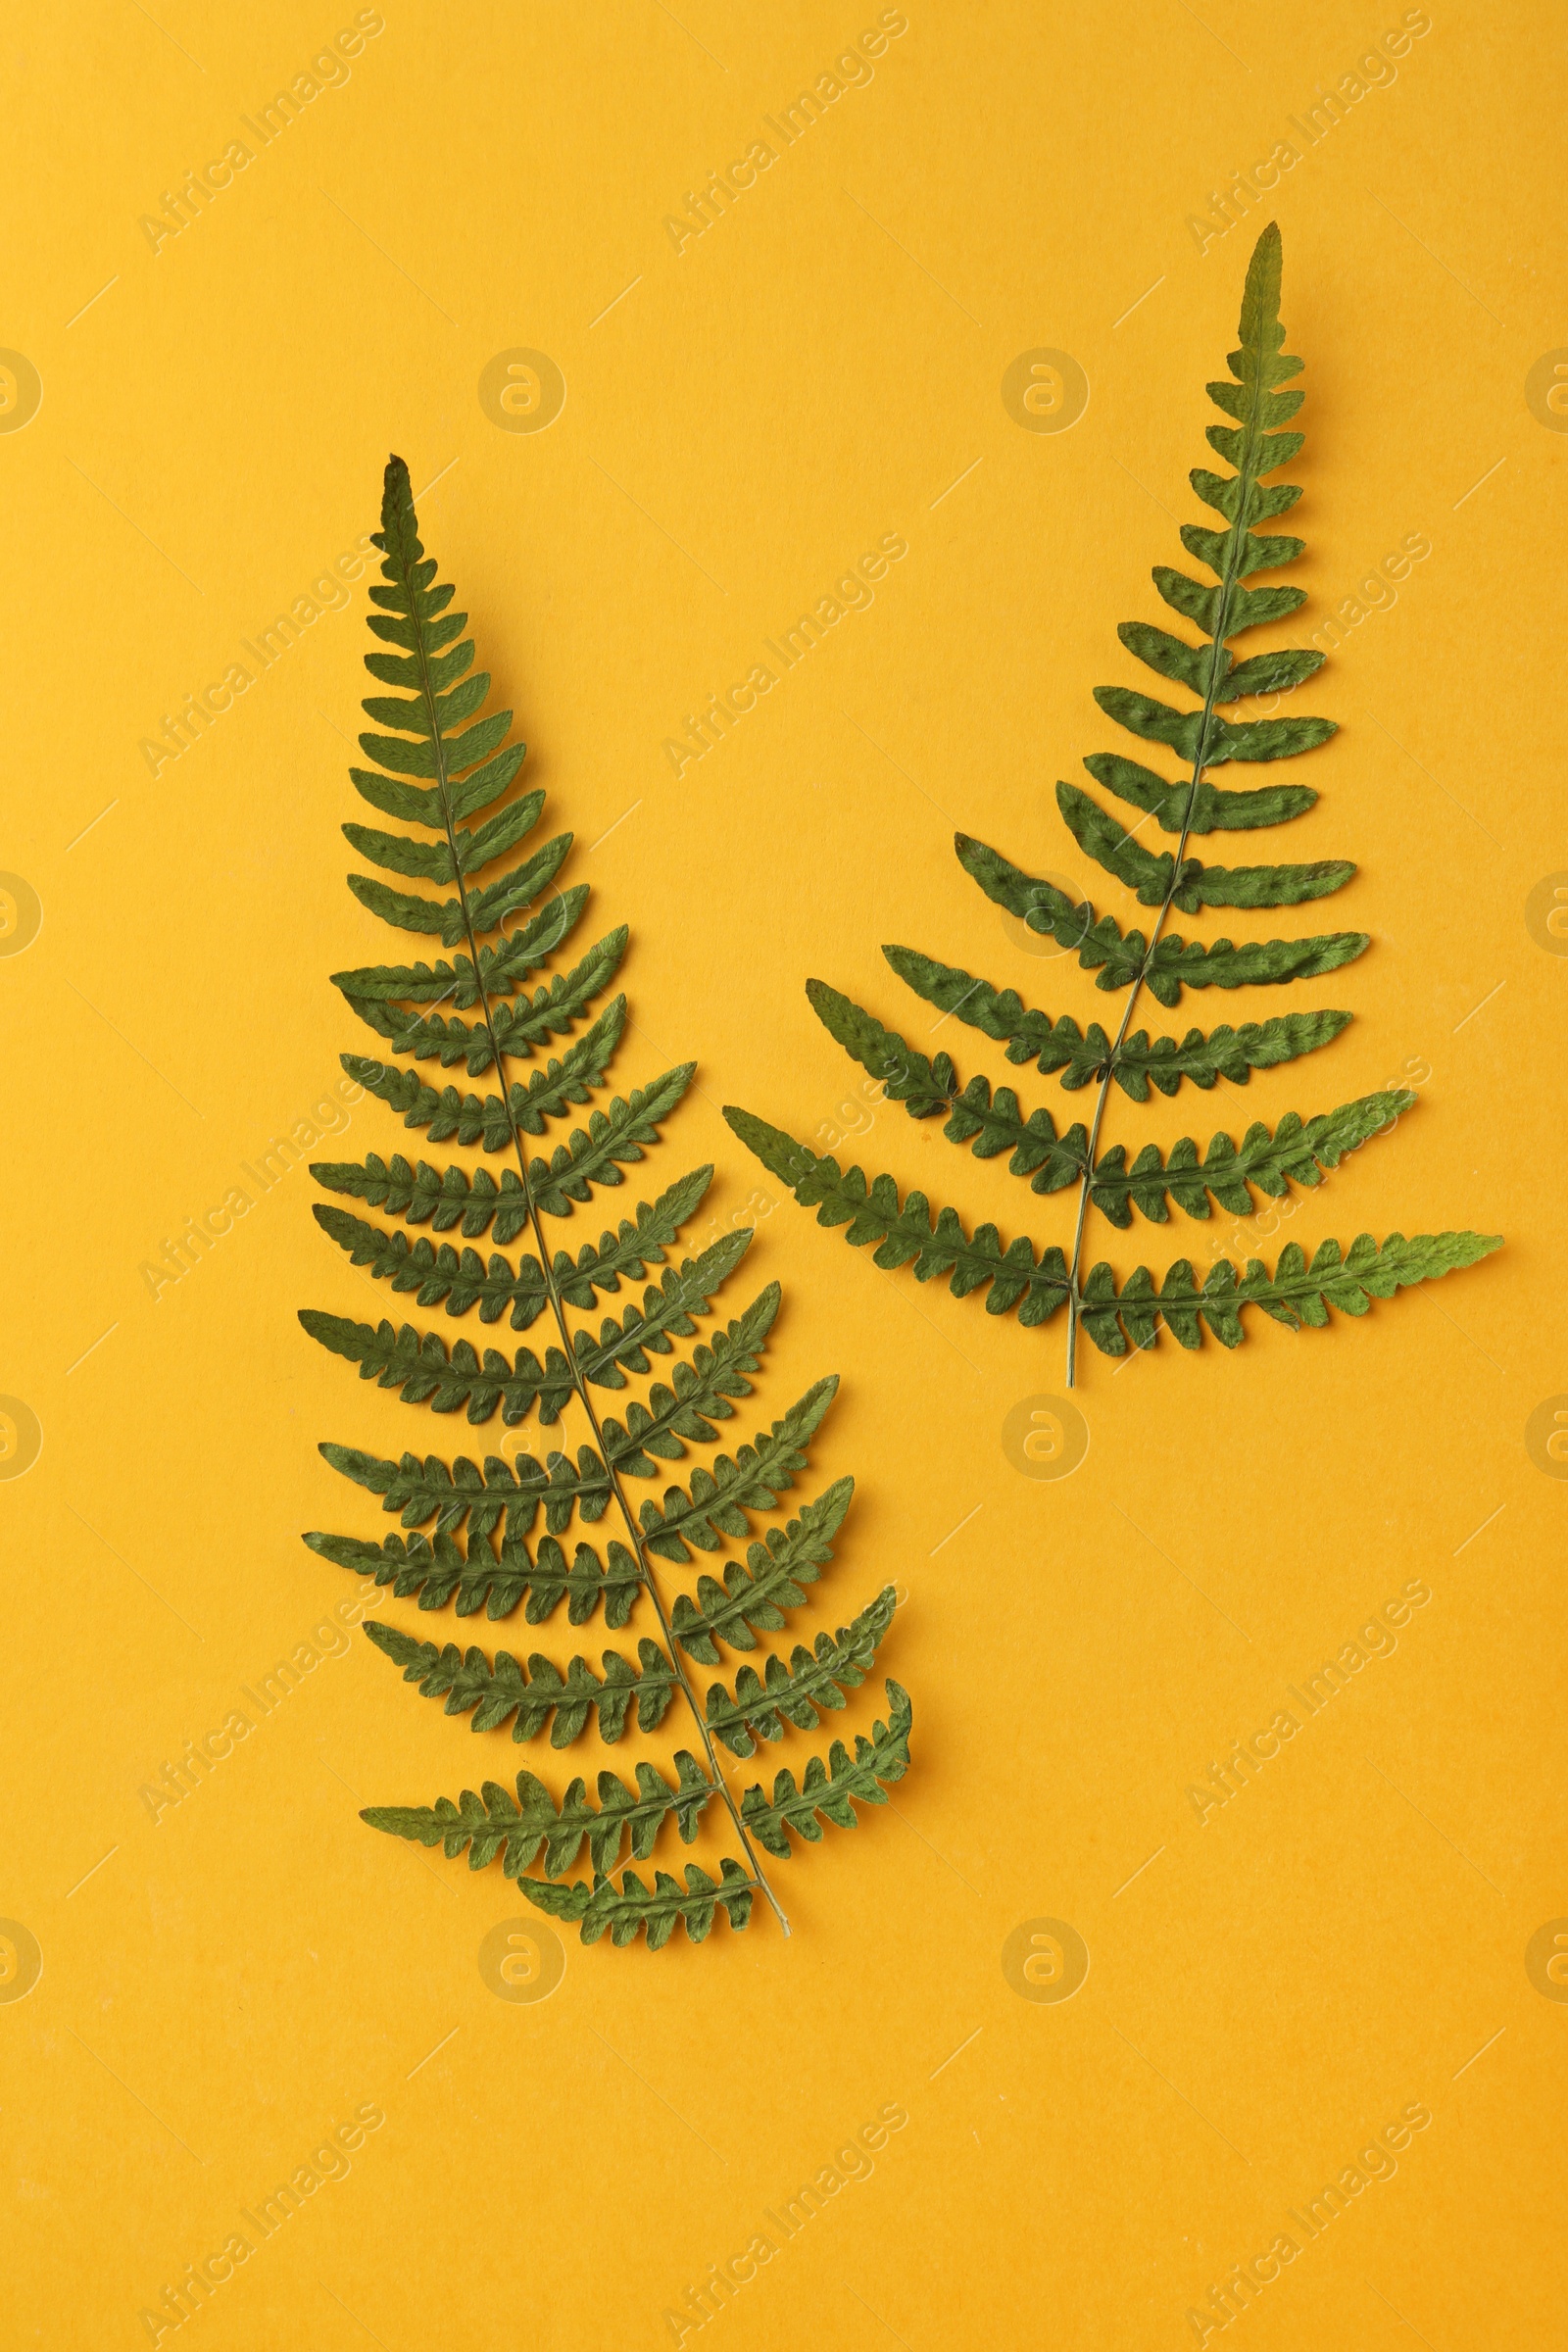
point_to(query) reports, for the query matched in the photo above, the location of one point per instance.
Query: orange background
(743, 417)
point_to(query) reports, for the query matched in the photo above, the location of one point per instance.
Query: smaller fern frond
(1000, 1014)
(417, 1365)
(518, 1028)
(427, 1196)
(1136, 1064)
(1156, 881)
(548, 1093)
(613, 1139)
(1084, 1056)
(831, 1792)
(631, 1907)
(461, 1280)
(444, 918)
(1115, 1055)
(500, 972)
(441, 1276)
(679, 1413)
(1183, 807)
(1174, 963)
(1298, 1152)
(667, 1313)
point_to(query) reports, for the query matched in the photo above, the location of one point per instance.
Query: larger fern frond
(1038, 1279)
(446, 770)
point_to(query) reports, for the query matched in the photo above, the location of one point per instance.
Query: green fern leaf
(547, 1094)
(520, 1828)
(1121, 962)
(1297, 1293)
(718, 1499)
(613, 1139)
(1298, 1151)
(519, 1029)
(631, 1907)
(1225, 1052)
(435, 1572)
(500, 1690)
(500, 971)
(417, 1365)
(904, 1231)
(1037, 1279)
(1200, 808)
(993, 1124)
(831, 1792)
(439, 1197)
(1159, 882)
(813, 1680)
(471, 1533)
(440, 1275)
(754, 1598)
(427, 1490)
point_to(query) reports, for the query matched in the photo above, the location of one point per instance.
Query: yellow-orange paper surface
(1349, 1976)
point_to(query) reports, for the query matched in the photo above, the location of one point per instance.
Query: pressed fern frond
(1037, 1279)
(564, 1034)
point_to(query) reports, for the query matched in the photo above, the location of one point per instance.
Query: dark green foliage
(473, 1539)
(500, 1689)
(826, 1792)
(904, 1231)
(520, 1828)
(437, 1570)
(763, 1703)
(1035, 1280)
(631, 1906)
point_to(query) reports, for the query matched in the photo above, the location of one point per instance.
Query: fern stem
(558, 1304)
(1235, 540)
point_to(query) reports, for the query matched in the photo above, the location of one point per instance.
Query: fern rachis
(991, 1123)
(465, 769)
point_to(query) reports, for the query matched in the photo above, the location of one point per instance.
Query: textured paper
(1055, 2045)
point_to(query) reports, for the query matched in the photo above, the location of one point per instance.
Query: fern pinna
(504, 931)
(992, 1122)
